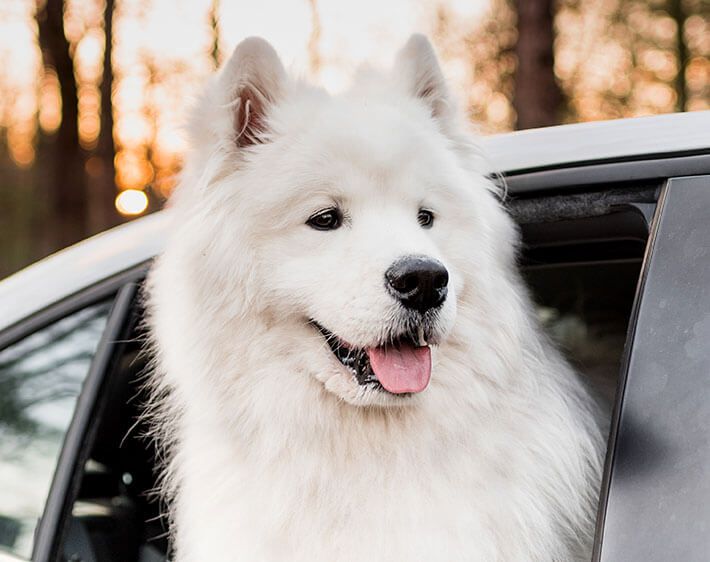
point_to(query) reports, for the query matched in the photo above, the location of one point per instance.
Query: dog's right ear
(418, 65)
(251, 81)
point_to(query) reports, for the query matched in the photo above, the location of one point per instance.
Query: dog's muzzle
(401, 365)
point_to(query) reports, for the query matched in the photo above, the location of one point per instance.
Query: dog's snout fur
(418, 282)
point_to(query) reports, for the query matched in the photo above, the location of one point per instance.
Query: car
(615, 225)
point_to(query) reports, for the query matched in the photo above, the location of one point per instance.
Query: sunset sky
(162, 55)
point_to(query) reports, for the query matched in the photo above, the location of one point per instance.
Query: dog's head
(351, 228)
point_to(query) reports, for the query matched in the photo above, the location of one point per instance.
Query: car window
(41, 377)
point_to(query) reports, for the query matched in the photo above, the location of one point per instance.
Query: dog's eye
(425, 218)
(328, 219)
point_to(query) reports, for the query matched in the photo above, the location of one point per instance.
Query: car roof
(110, 253)
(599, 141)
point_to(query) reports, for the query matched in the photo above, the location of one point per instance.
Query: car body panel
(654, 501)
(599, 141)
(61, 275)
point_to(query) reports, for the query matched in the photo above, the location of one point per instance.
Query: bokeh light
(131, 202)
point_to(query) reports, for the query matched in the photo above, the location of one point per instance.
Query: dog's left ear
(418, 66)
(252, 80)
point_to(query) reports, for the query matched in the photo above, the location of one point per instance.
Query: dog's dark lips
(356, 360)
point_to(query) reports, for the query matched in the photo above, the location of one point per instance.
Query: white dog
(349, 367)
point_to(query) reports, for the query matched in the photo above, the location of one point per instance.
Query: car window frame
(51, 529)
(106, 290)
(85, 296)
(599, 172)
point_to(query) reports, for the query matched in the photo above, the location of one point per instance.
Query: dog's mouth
(400, 366)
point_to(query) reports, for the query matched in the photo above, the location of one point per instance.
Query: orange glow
(161, 57)
(132, 129)
(88, 55)
(498, 109)
(22, 154)
(89, 120)
(19, 141)
(89, 130)
(50, 102)
(698, 75)
(133, 171)
(131, 202)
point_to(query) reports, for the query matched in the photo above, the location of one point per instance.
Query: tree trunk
(537, 96)
(65, 182)
(678, 13)
(103, 212)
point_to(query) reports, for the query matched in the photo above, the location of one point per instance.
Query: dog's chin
(394, 373)
(350, 392)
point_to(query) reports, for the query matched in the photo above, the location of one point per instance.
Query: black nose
(418, 282)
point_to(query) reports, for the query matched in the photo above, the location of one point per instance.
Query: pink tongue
(403, 369)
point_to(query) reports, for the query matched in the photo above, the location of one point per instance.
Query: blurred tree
(482, 54)
(216, 46)
(60, 154)
(624, 58)
(677, 12)
(101, 165)
(525, 63)
(537, 96)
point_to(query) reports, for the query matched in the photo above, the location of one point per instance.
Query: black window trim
(565, 178)
(50, 531)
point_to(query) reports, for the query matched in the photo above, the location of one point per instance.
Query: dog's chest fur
(438, 484)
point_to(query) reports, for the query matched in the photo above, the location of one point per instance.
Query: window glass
(40, 380)
(585, 307)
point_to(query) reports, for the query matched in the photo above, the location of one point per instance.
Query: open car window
(41, 377)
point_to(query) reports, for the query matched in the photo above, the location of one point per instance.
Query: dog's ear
(252, 80)
(418, 66)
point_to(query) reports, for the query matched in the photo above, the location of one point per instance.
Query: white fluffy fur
(275, 452)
